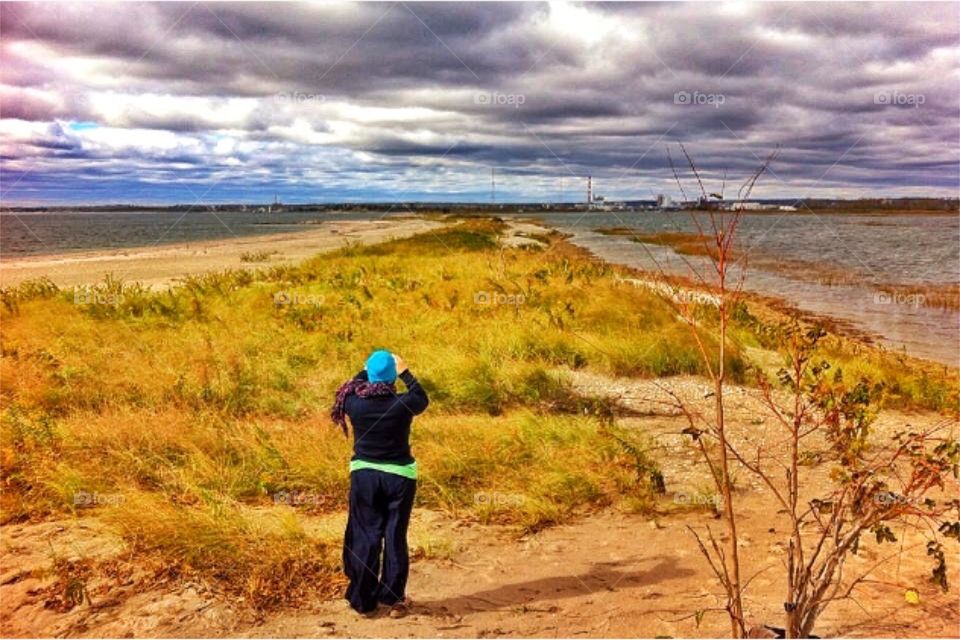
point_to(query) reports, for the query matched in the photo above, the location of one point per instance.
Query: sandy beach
(160, 265)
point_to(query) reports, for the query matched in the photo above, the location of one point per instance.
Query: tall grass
(477, 323)
(908, 383)
(199, 413)
(196, 417)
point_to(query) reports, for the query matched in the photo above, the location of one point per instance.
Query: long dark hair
(363, 389)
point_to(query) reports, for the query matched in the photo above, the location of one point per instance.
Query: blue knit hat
(381, 367)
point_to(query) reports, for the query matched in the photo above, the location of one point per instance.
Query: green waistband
(405, 470)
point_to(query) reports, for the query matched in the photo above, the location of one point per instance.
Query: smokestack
(589, 190)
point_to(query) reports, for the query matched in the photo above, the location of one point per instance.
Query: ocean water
(31, 234)
(828, 264)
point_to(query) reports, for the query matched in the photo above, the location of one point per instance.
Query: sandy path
(160, 265)
(611, 574)
(523, 234)
(606, 574)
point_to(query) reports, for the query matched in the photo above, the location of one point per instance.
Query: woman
(383, 481)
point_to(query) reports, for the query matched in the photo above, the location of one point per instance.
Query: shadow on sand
(602, 576)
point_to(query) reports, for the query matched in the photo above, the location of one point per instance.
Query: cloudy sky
(206, 102)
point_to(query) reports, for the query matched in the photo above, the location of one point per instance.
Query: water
(827, 264)
(30, 234)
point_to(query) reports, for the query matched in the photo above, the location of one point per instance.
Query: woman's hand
(401, 365)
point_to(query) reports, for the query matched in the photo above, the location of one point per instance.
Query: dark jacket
(381, 424)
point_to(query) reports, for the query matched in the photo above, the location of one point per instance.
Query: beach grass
(691, 244)
(195, 420)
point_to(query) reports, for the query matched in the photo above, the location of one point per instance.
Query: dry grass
(944, 296)
(197, 417)
(691, 244)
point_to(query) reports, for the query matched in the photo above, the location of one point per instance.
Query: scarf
(363, 389)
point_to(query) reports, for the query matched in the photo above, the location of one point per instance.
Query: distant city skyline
(164, 103)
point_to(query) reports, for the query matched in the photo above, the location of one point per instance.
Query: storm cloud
(179, 102)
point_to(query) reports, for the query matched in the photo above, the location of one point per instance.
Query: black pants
(380, 506)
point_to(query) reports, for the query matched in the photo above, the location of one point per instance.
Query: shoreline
(159, 265)
(472, 209)
(778, 306)
(894, 329)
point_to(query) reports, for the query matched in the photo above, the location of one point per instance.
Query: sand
(160, 265)
(604, 574)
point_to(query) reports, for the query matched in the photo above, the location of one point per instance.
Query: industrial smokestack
(589, 190)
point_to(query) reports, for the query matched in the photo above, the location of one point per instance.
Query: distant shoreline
(26, 235)
(305, 221)
(159, 265)
(866, 206)
(527, 210)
